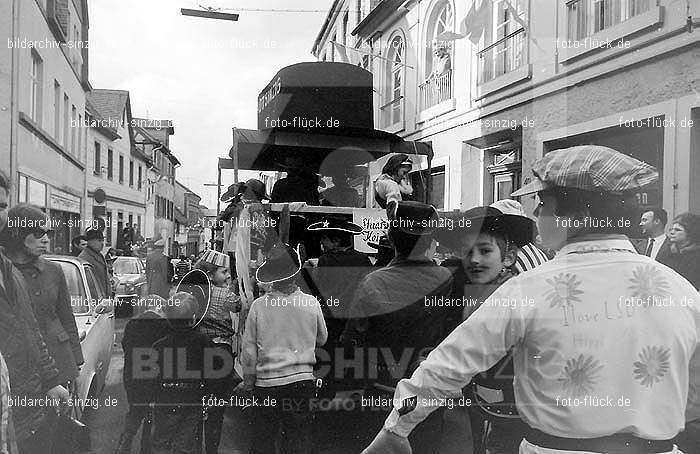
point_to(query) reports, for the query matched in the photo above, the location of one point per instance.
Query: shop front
(64, 210)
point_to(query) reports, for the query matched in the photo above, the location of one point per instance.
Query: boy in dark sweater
(188, 369)
(140, 333)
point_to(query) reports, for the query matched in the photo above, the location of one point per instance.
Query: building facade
(496, 84)
(43, 79)
(188, 225)
(152, 138)
(117, 167)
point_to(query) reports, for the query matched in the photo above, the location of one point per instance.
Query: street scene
(350, 226)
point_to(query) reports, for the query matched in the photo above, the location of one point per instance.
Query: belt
(612, 444)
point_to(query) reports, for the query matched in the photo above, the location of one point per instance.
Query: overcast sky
(203, 74)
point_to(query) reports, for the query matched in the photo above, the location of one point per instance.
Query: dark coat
(140, 333)
(99, 267)
(685, 263)
(641, 246)
(159, 272)
(52, 308)
(31, 368)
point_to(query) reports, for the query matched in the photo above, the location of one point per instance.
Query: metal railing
(391, 112)
(502, 57)
(586, 17)
(435, 90)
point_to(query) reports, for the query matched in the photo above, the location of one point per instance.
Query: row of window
(67, 130)
(109, 167)
(164, 208)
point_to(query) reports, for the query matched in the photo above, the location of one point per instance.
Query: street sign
(99, 196)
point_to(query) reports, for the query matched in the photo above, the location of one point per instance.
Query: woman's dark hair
(691, 224)
(22, 220)
(609, 213)
(394, 163)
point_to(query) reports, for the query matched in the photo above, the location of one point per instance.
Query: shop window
(22, 196)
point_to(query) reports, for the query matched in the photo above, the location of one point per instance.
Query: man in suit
(653, 225)
(159, 272)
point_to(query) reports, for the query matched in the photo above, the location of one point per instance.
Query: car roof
(66, 258)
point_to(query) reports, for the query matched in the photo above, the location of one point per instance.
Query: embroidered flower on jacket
(580, 375)
(565, 291)
(648, 284)
(652, 365)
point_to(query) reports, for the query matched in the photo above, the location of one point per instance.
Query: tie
(650, 246)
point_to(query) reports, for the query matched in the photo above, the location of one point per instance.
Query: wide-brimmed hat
(335, 223)
(215, 258)
(414, 218)
(282, 262)
(590, 168)
(518, 229)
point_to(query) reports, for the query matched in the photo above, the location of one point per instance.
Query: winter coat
(99, 267)
(52, 309)
(31, 368)
(158, 273)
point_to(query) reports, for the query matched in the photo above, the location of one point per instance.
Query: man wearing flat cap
(93, 255)
(392, 310)
(159, 271)
(602, 343)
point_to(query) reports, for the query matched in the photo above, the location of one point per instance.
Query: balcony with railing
(391, 114)
(502, 57)
(435, 90)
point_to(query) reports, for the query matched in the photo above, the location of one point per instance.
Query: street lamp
(209, 13)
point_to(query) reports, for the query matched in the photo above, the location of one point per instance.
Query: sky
(203, 74)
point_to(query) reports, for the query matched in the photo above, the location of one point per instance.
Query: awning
(265, 150)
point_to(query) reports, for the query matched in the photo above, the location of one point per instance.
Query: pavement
(336, 432)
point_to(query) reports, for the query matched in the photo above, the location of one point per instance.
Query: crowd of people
(558, 335)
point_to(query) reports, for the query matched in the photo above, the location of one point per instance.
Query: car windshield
(126, 266)
(76, 289)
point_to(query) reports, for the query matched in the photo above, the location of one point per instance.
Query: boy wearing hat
(93, 255)
(392, 310)
(592, 372)
(282, 331)
(338, 273)
(217, 325)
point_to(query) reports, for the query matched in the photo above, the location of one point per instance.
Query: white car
(94, 316)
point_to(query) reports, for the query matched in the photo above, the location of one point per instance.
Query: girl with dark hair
(393, 183)
(684, 258)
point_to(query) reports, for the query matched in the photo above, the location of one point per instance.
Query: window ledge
(437, 110)
(611, 38)
(396, 127)
(501, 82)
(38, 131)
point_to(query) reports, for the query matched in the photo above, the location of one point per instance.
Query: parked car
(132, 285)
(94, 316)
